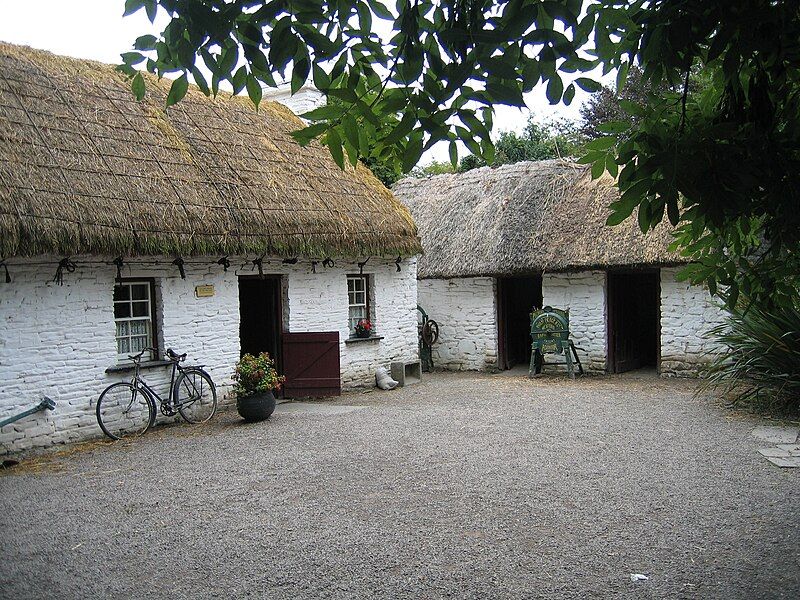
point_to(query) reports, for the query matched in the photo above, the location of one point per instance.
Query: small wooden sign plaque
(204, 291)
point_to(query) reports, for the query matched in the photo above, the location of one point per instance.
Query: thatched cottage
(203, 227)
(501, 241)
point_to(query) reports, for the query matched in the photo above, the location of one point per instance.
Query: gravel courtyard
(463, 486)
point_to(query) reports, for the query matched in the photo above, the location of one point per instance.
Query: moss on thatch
(85, 168)
(522, 218)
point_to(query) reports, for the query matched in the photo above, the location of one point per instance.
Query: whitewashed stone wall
(687, 314)
(465, 312)
(59, 340)
(583, 293)
(307, 98)
(318, 302)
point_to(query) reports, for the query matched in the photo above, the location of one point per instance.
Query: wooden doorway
(261, 316)
(517, 297)
(633, 300)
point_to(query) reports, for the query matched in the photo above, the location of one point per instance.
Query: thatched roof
(524, 218)
(85, 168)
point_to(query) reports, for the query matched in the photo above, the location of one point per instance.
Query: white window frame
(149, 318)
(351, 322)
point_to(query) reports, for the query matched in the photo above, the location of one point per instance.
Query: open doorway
(634, 310)
(517, 297)
(260, 316)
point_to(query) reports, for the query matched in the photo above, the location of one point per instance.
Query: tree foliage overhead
(554, 139)
(723, 163)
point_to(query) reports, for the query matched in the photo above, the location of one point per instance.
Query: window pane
(140, 291)
(138, 343)
(122, 292)
(141, 309)
(122, 310)
(139, 327)
(123, 328)
(360, 298)
(123, 346)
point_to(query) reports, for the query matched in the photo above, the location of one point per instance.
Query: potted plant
(363, 328)
(256, 378)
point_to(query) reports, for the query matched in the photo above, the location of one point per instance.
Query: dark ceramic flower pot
(256, 407)
(363, 334)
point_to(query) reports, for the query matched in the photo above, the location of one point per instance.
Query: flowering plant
(256, 375)
(363, 328)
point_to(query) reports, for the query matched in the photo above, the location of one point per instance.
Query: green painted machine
(428, 330)
(550, 335)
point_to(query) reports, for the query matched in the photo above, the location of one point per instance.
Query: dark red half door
(311, 364)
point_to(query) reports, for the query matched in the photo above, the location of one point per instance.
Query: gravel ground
(463, 486)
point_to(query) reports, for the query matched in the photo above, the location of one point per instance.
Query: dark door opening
(517, 297)
(634, 311)
(260, 317)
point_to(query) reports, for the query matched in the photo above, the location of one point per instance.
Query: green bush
(760, 361)
(256, 375)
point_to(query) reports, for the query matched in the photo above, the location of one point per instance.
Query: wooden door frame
(500, 311)
(282, 325)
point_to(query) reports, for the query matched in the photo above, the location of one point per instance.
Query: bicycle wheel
(124, 411)
(195, 396)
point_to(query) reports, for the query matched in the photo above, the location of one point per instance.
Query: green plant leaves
(177, 90)
(137, 86)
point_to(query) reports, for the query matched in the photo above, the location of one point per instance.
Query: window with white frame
(133, 316)
(358, 300)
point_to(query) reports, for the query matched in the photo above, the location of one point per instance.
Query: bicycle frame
(168, 407)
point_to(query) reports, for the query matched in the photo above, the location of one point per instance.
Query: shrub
(256, 375)
(760, 359)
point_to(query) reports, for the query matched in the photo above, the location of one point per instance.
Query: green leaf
(622, 76)
(380, 10)
(350, 128)
(602, 143)
(644, 216)
(137, 86)
(321, 79)
(453, 154)
(145, 42)
(177, 90)
(239, 79)
(412, 154)
(569, 94)
(305, 135)
(200, 80)
(598, 168)
(588, 85)
(254, 90)
(132, 58)
(334, 144)
(555, 88)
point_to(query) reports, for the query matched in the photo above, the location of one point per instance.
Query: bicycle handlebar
(169, 353)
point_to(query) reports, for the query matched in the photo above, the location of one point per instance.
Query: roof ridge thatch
(86, 169)
(526, 217)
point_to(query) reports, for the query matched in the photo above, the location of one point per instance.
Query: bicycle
(128, 409)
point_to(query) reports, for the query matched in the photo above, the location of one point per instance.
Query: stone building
(500, 241)
(203, 227)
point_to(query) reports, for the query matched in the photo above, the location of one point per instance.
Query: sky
(95, 29)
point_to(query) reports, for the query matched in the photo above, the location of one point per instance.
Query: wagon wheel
(430, 332)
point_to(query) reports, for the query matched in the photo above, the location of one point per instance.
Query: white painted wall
(307, 98)
(687, 313)
(58, 340)
(465, 312)
(583, 293)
